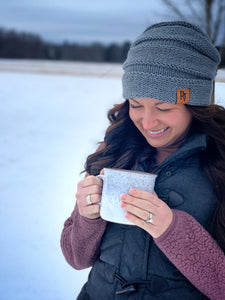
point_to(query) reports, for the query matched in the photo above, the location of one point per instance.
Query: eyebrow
(134, 100)
(157, 103)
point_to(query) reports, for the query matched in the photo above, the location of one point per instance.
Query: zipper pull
(127, 290)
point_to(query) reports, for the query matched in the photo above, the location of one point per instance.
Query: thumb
(102, 172)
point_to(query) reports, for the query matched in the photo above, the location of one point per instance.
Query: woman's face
(161, 123)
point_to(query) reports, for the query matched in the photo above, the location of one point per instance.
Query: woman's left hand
(147, 211)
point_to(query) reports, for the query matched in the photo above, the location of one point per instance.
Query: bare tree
(208, 14)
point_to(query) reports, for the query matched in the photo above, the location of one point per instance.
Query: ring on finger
(88, 199)
(150, 219)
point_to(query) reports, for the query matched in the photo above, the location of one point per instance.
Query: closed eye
(135, 106)
(163, 109)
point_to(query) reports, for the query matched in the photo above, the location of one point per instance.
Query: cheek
(133, 116)
(182, 121)
(187, 118)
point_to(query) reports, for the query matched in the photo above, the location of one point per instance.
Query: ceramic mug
(117, 182)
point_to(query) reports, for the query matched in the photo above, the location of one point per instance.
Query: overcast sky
(83, 21)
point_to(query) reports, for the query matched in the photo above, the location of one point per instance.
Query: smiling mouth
(158, 131)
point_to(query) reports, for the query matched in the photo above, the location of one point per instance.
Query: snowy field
(49, 123)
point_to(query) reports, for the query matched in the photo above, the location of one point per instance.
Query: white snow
(61, 67)
(48, 125)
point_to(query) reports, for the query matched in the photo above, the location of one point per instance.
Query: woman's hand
(147, 211)
(89, 192)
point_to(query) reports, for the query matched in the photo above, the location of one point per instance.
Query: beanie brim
(145, 85)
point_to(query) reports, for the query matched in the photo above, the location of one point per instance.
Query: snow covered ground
(48, 125)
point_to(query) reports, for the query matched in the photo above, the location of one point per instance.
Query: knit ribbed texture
(168, 59)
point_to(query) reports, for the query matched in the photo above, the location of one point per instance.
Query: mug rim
(131, 171)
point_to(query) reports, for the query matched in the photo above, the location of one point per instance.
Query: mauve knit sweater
(186, 244)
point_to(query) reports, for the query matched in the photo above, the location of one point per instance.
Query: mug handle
(101, 176)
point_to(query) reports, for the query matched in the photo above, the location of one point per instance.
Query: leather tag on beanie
(183, 96)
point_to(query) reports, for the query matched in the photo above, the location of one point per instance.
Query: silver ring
(89, 199)
(150, 220)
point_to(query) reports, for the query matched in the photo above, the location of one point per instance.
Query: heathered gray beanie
(173, 62)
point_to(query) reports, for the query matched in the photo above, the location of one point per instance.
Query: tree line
(30, 46)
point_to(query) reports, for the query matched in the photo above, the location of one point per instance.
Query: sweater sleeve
(195, 253)
(80, 240)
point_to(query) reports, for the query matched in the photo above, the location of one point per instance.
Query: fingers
(89, 181)
(152, 197)
(89, 190)
(150, 228)
(94, 198)
(141, 213)
(142, 199)
(102, 172)
(88, 186)
(157, 227)
(139, 207)
(88, 194)
(147, 211)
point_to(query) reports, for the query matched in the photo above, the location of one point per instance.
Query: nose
(149, 120)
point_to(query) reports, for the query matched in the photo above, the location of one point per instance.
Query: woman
(165, 126)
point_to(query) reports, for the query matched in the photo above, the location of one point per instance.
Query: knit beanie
(173, 62)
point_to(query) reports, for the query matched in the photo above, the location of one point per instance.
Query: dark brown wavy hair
(124, 147)
(211, 121)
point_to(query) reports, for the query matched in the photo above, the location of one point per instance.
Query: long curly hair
(211, 121)
(125, 147)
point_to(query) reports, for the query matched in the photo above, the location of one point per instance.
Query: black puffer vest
(130, 265)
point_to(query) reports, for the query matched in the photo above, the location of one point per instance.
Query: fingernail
(122, 196)
(122, 204)
(133, 191)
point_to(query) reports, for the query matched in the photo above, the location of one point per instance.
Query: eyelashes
(165, 109)
(140, 106)
(135, 106)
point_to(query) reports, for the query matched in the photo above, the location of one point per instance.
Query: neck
(164, 152)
